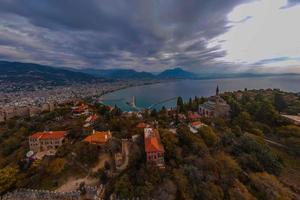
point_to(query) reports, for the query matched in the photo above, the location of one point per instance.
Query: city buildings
(153, 147)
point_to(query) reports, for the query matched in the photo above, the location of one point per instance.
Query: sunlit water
(152, 94)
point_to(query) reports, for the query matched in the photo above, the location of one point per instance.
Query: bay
(165, 94)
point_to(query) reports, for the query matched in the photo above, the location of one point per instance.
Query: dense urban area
(30, 103)
(234, 145)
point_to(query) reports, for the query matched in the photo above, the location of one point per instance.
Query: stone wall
(27, 194)
(93, 193)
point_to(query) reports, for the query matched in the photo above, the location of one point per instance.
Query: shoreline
(139, 85)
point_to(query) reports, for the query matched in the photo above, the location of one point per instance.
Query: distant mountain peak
(176, 73)
(118, 73)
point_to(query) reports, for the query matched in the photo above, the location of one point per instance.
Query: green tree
(267, 187)
(86, 153)
(153, 113)
(289, 131)
(180, 105)
(170, 142)
(182, 184)
(228, 169)
(56, 166)
(8, 178)
(238, 191)
(243, 120)
(192, 141)
(212, 191)
(124, 188)
(209, 136)
(268, 159)
(279, 102)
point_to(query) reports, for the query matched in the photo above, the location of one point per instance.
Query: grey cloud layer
(141, 34)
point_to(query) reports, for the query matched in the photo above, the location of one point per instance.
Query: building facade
(47, 140)
(215, 107)
(153, 147)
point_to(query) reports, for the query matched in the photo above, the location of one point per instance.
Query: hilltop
(245, 155)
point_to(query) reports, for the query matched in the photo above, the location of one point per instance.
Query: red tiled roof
(81, 108)
(49, 135)
(142, 125)
(98, 137)
(194, 116)
(196, 123)
(92, 118)
(152, 142)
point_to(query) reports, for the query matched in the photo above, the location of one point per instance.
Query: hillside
(118, 73)
(28, 75)
(176, 73)
(251, 155)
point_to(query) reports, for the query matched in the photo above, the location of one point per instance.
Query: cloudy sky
(222, 36)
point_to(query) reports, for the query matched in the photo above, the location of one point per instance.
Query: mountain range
(27, 73)
(15, 76)
(176, 73)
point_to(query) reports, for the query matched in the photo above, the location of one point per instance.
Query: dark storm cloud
(141, 34)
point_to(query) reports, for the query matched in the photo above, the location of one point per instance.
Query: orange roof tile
(98, 137)
(81, 108)
(49, 135)
(194, 116)
(153, 143)
(197, 123)
(142, 125)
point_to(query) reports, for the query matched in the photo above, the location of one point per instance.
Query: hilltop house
(47, 140)
(81, 110)
(91, 120)
(193, 116)
(197, 124)
(98, 137)
(153, 147)
(214, 107)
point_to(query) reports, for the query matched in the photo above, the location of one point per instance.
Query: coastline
(140, 85)
(186, 88)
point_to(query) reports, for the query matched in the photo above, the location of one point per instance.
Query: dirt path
(101, 161)
(125, 164)
(73, 184)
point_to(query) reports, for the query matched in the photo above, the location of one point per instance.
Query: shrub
(238, 191)
(270, 161)
(8, 178)
(209, 136)
(267, 187)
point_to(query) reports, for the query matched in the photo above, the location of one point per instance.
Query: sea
(166, 93)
